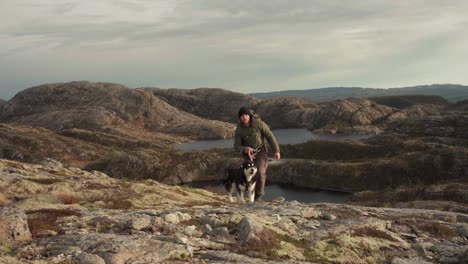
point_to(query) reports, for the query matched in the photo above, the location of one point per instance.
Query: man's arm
(271, 139)
(238, 143)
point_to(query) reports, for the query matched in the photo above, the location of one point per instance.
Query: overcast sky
(244, 46)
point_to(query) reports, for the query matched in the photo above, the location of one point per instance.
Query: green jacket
(254, 136)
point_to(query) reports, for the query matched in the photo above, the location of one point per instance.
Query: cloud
(240, 45)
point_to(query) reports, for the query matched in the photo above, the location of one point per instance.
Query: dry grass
(119, 199)
(202, 203)
(67, 198)
(438, 230)
(191, 221)
(372, 232)
(102, 224)
(179, 191)
(4, 200)
(113, 197)
(345, 213)
(45, 219)
(218, 189)
(44, 181)
(96, 186)
(425, 223)
(267, 243)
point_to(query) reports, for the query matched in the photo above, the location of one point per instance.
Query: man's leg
(261, 163)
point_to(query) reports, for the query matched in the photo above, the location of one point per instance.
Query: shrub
(67, 198)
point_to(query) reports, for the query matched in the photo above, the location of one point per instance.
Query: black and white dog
(241, 180)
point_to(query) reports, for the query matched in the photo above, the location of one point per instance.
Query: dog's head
(249, 169)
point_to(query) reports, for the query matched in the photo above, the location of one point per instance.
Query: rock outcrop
(116, 109)
(33, 144)
(210, 103)
(379, 162)
(104, 107)
(148, 157)
(286, 112)
(452, 196)
(415, 111)
(449, 124)
(425, 167)
(349, 112)
(283, 112)
(88, 217)
(336, 115)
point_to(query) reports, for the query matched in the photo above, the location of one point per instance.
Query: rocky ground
(55, 214)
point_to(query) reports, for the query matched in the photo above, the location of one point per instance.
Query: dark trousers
(261, 161)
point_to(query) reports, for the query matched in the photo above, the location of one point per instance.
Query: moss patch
(364, 247)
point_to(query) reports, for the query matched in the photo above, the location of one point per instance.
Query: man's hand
(248, 150)
(277, 156)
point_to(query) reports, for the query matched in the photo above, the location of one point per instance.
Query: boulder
(248, 228)
(14, 227)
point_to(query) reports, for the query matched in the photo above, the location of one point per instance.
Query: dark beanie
(244, 111)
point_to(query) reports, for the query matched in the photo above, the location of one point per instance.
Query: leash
(253, 155)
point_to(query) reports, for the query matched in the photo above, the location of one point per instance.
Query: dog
(241, 180)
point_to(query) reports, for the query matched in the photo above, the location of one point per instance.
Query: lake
(305, 195)
(284, 136)
(288, 192)
(272, 191)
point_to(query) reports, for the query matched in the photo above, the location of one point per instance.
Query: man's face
(245, 119)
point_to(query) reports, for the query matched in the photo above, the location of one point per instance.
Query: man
(251, 133)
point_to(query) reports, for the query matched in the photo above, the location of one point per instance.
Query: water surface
(283, 136)
(305, 195)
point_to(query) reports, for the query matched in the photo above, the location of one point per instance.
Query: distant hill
(2, 102)
(450, 92)
(105, 107)
(403, 101)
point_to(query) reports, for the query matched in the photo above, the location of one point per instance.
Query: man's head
(244, 111)
(244, 115)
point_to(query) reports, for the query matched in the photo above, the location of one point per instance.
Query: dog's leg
(230, 191)
(240, 194)
(242, 200)
(252, 193)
